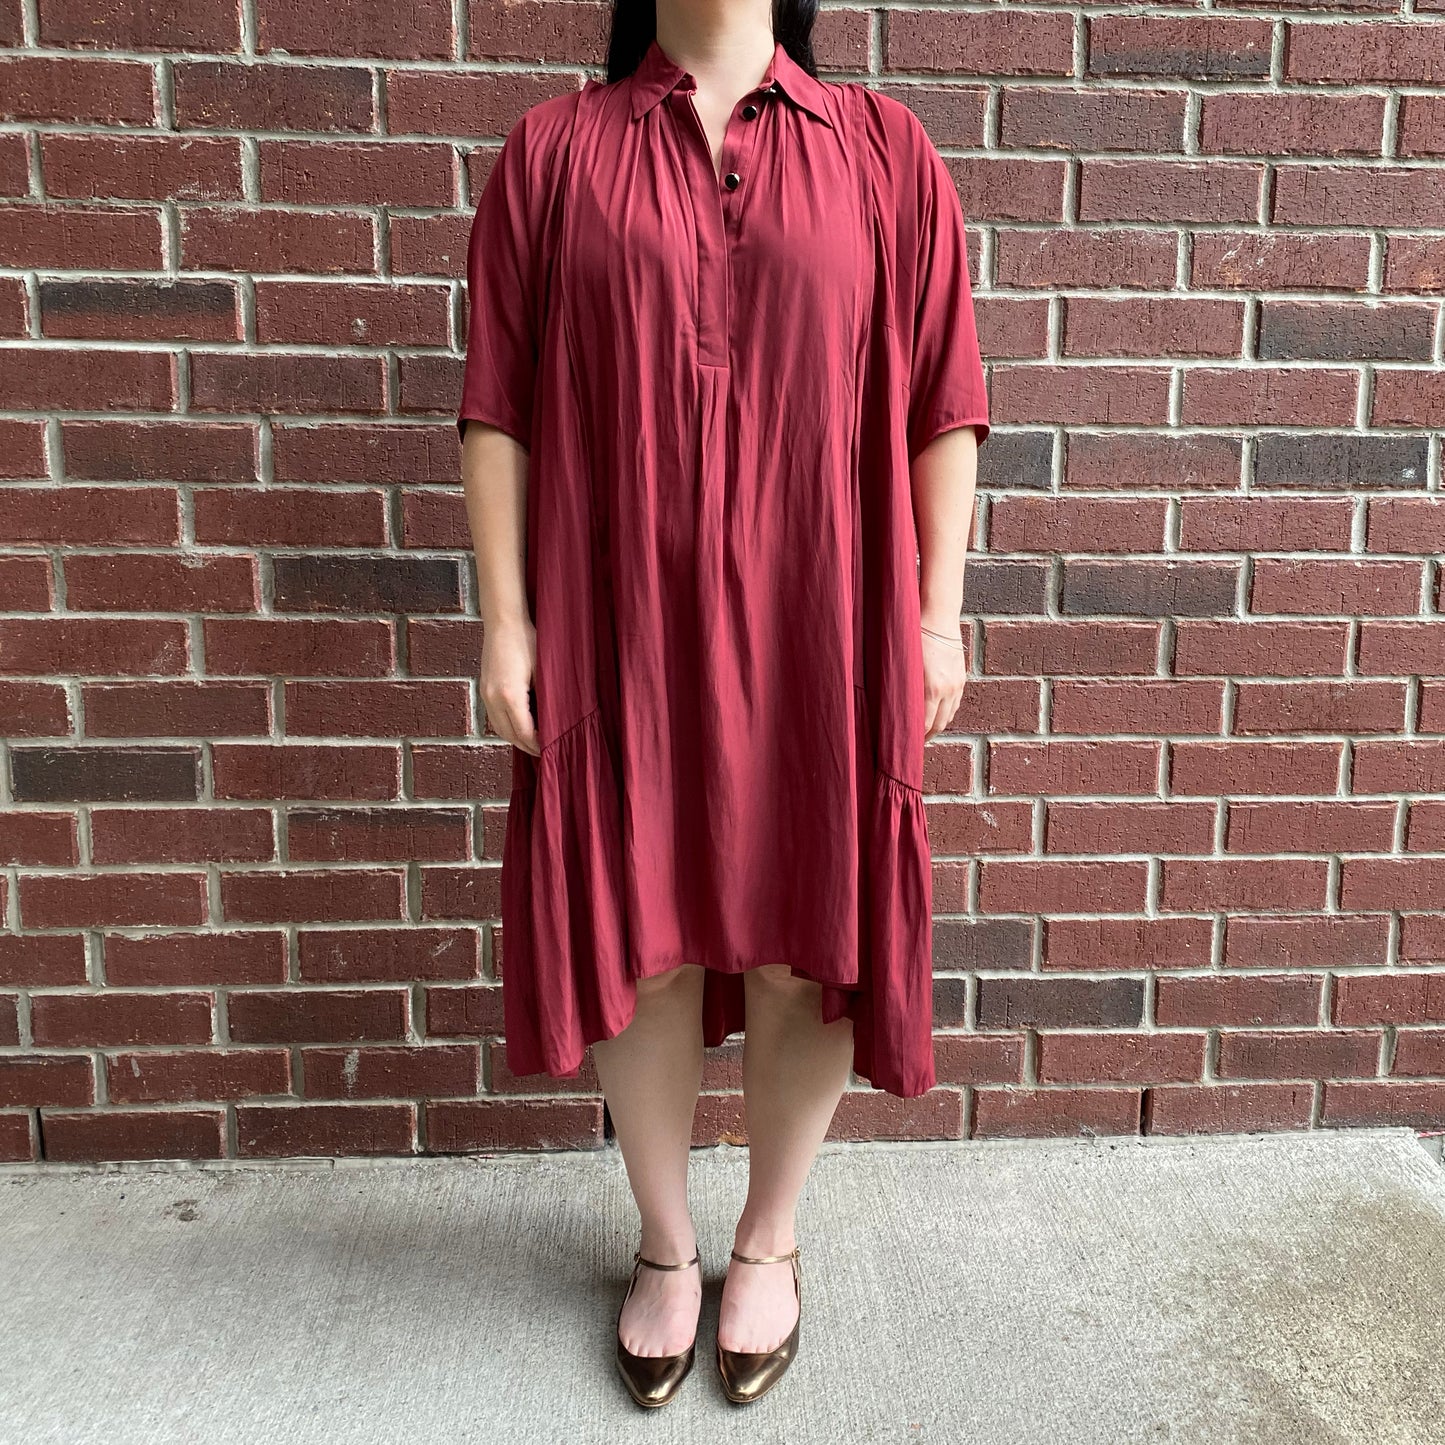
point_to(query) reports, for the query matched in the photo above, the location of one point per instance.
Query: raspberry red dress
(721, 379)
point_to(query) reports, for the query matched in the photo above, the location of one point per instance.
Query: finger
(522, 729)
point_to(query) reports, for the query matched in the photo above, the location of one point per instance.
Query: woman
(722, 389)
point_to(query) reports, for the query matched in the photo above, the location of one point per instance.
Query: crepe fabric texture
(721, 377)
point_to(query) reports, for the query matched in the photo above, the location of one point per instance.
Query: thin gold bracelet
(943, 637)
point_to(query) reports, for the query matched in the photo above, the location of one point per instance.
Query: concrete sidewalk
(1254, 1290)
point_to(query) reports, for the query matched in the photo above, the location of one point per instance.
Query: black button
(732, 180)
(750, 112)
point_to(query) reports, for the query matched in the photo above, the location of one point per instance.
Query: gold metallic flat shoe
(652, 1380)
(747, 1375)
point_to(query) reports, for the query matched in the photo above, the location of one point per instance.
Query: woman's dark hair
(634, 28)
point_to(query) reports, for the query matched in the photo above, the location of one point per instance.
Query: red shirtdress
(721, 381)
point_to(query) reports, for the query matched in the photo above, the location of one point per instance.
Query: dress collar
(657, 74)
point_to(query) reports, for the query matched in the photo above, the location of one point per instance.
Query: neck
(722, 42)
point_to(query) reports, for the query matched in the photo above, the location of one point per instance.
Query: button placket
(716, 224)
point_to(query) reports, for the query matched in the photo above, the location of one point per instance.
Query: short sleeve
(503, 329)
(946, 386)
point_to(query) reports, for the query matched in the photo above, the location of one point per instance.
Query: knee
(669, 984)
(779, 981)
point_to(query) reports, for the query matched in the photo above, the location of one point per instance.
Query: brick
(1152, 326)
(56, 88)
(1052, 768)
(288, 517)
(377, 709)
(1408, 398)
(312, 895)
(489, 1125)
(426, 102)
(1211, 769)
(1107, 120)
(79, 516)
(1054, 1112)
(140, 310)
(460, 894)
(106, 774)
(1306, 942)
(1263, 523)
(1015, 1002)
(348, 314)
(399, 955)
(1299, 1054)
(1148, 190)
(17, 1144)
(1412, 525)
(422, 30)
(1128, 828)
(196, 1075)
(1389, 765)
(131, 900)
(1192, 885)
(368, 452)
(57, 378)
(953, 115)
(1410, 884)
(1078, 259)
(275, 240)
(1260, 649)
(34, 709)
(1310, 827)
(1229, 260)
(1399, 649)
(175, 709)
(1377, 589)
(104, 1134)
(324, 1130)
(1389, 998)
(1361, 1105)
(1343, 53)
(317, 1016)
(1422, 125)
(1330, 331)
(354, 172)
(1109, 944)
(969, 1059)
(35, 838)
(134, 25)
(1193, 47)
(92, 1020)
(1269, 396)
(133, 582)
(50, 960)
(1415, 263)
(103, 647)
(1149, 588)
(1252, 124)
(1348, 463)
(228, 96)
(1116, 395)
(90, 238)
(1227, 1108)
(1059, 648)
(141, 168)
(379, 1072)
(1044, 886)
(1159, 707)
(320, 583)
(1238, 1001)
(978, 43)
(1350, 707)
(205, 960)
(1006, 188)
(170, 835)
(270, 383)
(1120, 462)
(1396, 197)
(32, 1081)
(179, 451)
(264, 772)
(1120, 1058)
(525, 30)
(297, 647)
(454, 1012)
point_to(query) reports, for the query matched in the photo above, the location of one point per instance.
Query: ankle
(764, 1236)
(668, 1246)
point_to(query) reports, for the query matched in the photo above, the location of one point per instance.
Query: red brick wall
(1189, 833)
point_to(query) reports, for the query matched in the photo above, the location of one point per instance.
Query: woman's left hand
(945, 672)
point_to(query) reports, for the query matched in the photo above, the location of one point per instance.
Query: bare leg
(794, 1070)
(650, 1075)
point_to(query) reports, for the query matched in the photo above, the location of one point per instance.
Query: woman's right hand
(509, 661)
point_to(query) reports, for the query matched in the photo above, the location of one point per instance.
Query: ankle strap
(653, 1264)
(766, 1258)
